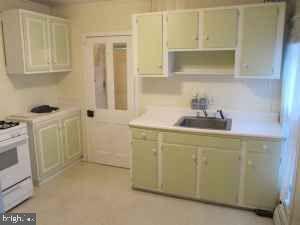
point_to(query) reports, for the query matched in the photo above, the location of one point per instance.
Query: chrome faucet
(200, 103)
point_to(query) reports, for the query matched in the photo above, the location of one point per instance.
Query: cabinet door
(261, 180)
(150, 44)
(220, 28)
(36, 51)
(144, 164)
(49, 148)
(258, 42)
(182, 30)
(179, 170)
(60, 45)
(219, 175)
(72, 138)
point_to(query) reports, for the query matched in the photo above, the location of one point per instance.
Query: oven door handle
(11, 143)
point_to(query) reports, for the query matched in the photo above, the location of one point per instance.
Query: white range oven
(15, 171)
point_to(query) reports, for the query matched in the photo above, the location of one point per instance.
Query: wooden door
(150, 44)
(36, 42)
(179, 170)
(182, 30)
(219, 175)
(72, 138)
(144, 164)
(258, 41)
(60, 45)
(49, 148)
(220, 28)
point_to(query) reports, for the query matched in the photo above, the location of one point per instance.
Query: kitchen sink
(204, 123)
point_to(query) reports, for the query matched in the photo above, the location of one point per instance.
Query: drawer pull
(144, 136)
(154, 151)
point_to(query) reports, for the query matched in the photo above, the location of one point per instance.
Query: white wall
(114, 16)
(20, 93)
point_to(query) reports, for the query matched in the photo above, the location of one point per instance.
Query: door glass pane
(8, 158)
(120, 75)
(100, 76)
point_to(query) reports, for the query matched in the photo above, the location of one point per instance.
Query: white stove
(15, 171)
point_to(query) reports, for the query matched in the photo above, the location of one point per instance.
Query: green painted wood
(144, 164)
(144, 134)
(179, 170)
(50, 149)
(72, 138)
(35, 28)
(60, 44)
(150, 44)
(261, 180)
(219, 175)
(220, 28)
(202, 140)
(258, 43)
(182, 30)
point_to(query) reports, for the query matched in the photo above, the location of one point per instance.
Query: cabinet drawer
(202, 140)
(263, 146)
(144, 134)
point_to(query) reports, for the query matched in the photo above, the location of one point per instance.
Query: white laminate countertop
(260, 125)
(38, 117)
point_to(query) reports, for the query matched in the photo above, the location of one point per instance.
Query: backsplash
(225, 93)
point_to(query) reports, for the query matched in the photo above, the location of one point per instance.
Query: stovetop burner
(7, 124)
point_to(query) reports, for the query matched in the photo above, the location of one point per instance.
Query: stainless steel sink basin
(204, 123)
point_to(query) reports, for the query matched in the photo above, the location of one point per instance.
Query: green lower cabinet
(261, 180)
(179, 170)
(219, 175)
(144, 164)
(50, 148)
(72, 138)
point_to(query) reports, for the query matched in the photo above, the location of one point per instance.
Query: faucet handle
(221, 114)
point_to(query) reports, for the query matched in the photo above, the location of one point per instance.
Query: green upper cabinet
(72, 138)
(220, 28)
(182, 30)
(60, 44)
(179, 170)
(144, 164)
(36, 42)
(150, 44)
(259, 41)
(50, 148)
(219, 175)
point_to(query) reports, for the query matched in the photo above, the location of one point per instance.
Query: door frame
(84, 41)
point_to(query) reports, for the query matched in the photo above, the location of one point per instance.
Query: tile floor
(91, 194)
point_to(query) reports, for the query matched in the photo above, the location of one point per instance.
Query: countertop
(260, 125)
(37, 117)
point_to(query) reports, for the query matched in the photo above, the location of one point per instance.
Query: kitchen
(167, 65)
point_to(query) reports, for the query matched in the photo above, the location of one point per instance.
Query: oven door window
(8, 158)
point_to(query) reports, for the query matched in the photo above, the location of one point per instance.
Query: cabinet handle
(196, 38)
(246, 66)
(144, 135)
(160, 66)
(250, 163)
(194, 157)
(154, 151)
